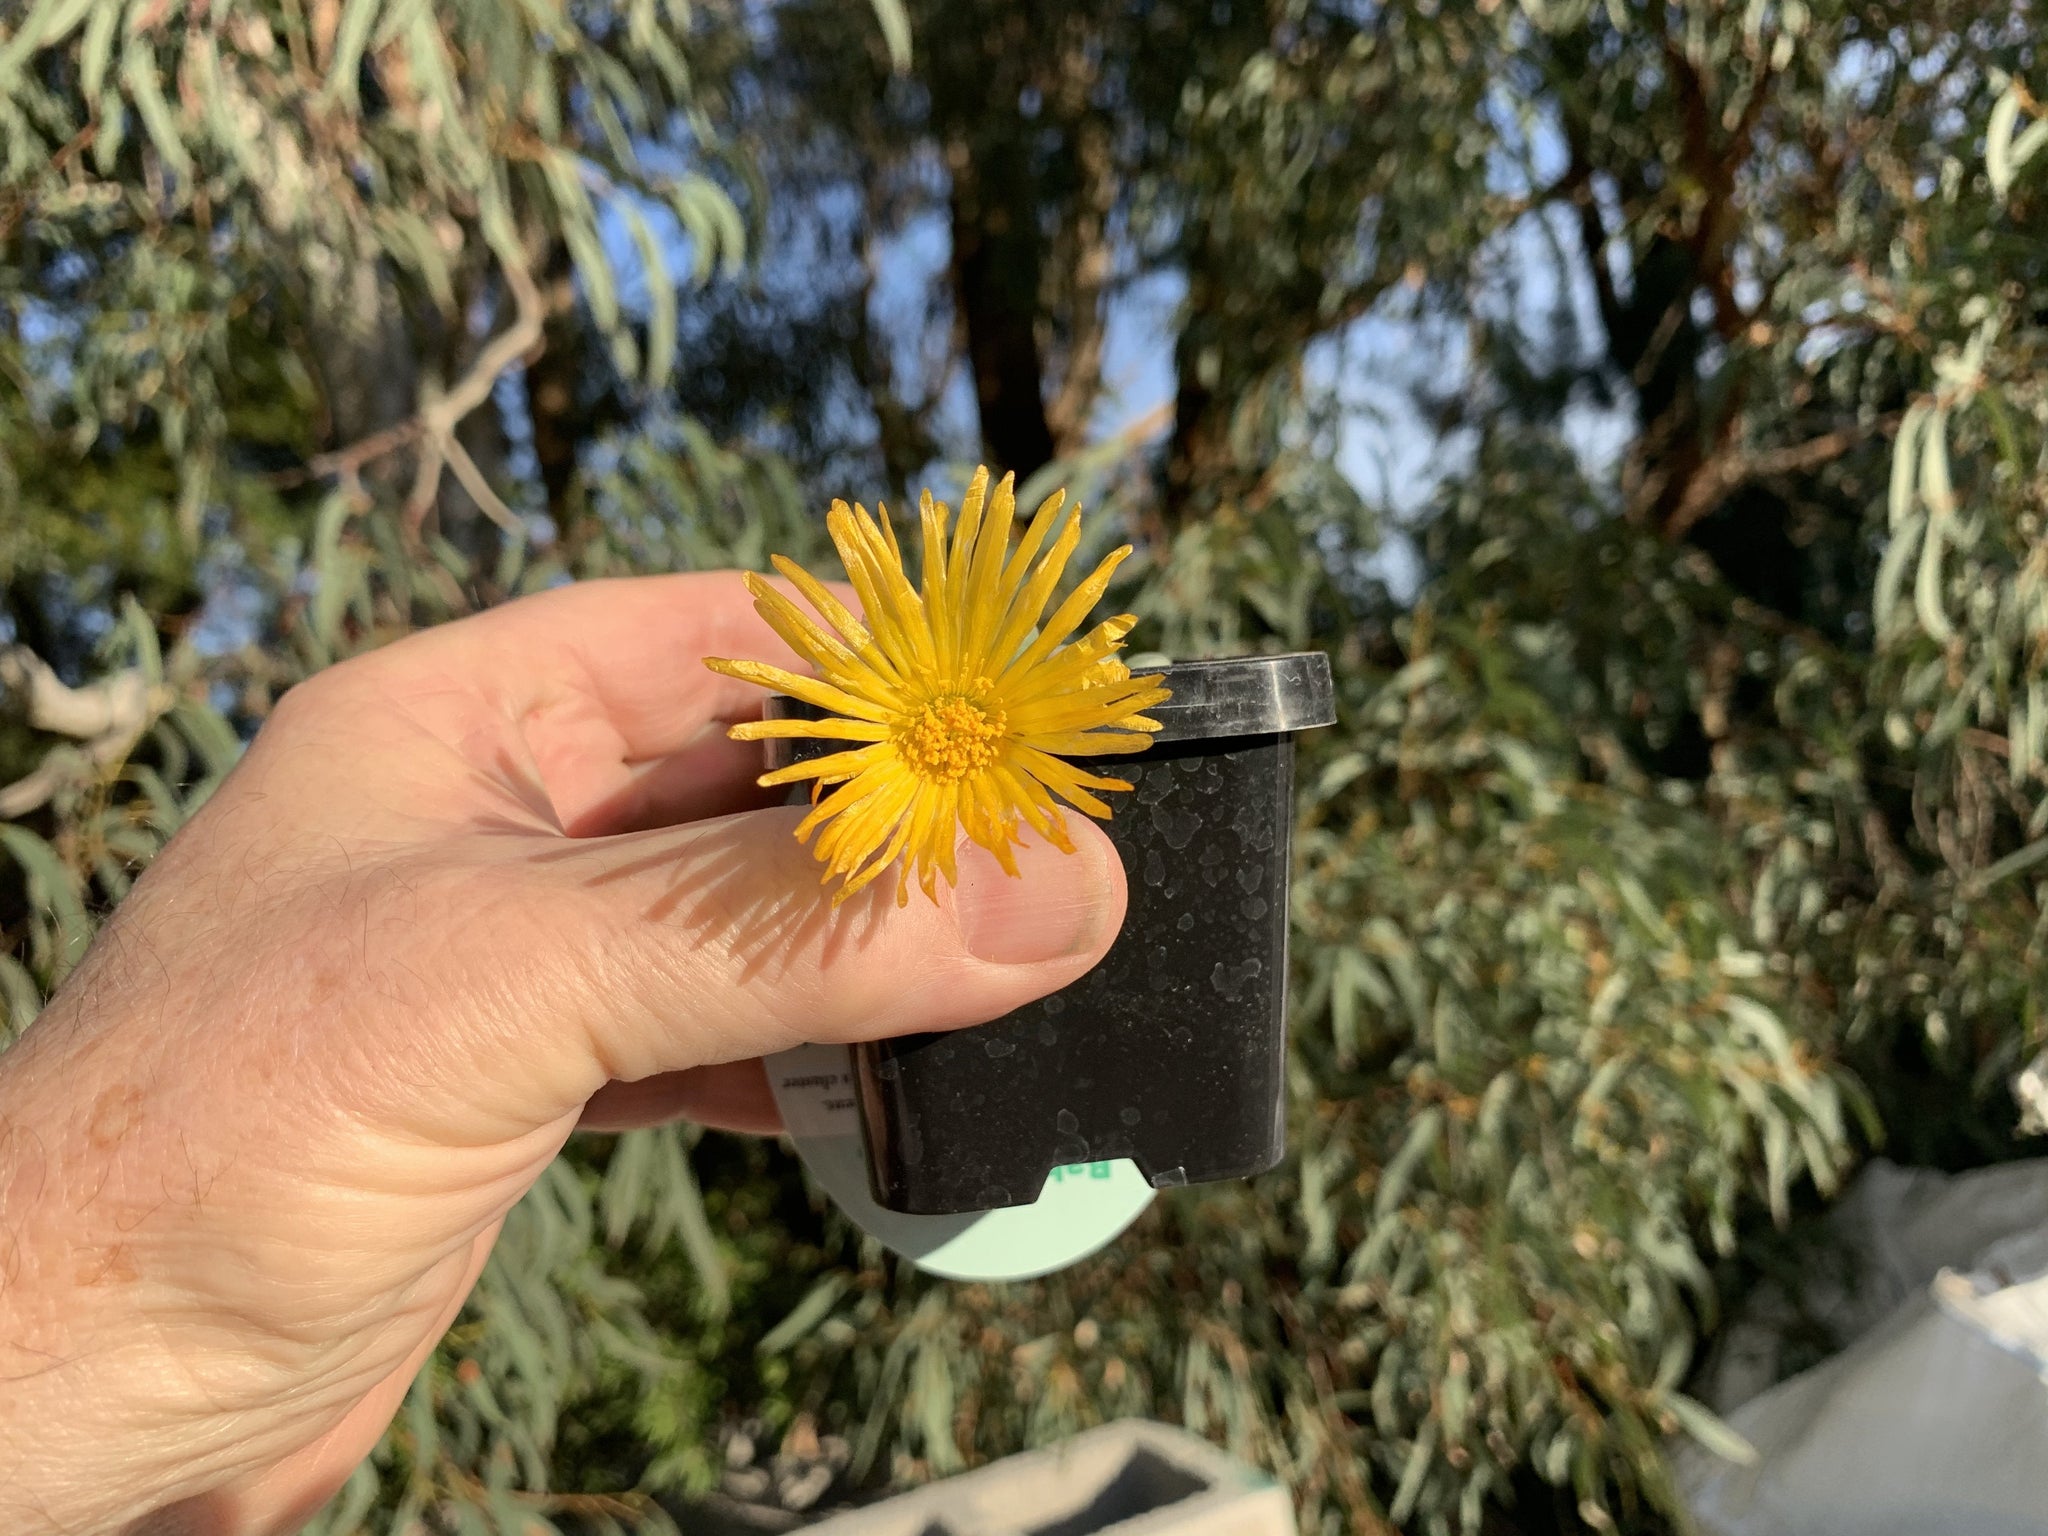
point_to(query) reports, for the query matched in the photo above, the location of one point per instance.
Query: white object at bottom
(1932, 1422)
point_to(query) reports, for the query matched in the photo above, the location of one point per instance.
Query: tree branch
(434, 424)
(1081, 377)
(440, 416)
(109, 717)
(347, 462)
(1577, 185)
(474, 481)
(1724, 472)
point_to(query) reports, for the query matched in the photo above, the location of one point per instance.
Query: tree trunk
(554, 391)
(995, 281)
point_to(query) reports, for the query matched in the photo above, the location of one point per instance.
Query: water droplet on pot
(1249, 876)
(1048, 1034)
(1159, 974)
(1253, 907)
(1155, 868)
(1178, 827)
(1230, 979)
(1255, 830)
(1130, 1114)
(995, 1045)
(1170, 1178)
(888, 1069)
(1055, 1004)
(1185, 921)
(1066, 1123)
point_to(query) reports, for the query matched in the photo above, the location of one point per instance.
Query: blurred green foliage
(1686, 828)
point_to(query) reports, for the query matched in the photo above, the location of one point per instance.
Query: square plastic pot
(1172, 1051)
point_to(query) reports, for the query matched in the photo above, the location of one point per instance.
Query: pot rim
(1214, 698)
(1226, 696)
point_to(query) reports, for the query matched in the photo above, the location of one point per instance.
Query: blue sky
(1370, 371)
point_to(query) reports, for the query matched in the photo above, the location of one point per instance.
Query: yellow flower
(963, 714)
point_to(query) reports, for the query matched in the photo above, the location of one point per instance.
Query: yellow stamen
(952, 736)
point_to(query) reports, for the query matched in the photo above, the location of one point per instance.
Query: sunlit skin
(961, 704)
(465, 894)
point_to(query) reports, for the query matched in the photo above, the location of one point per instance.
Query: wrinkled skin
(465, 894)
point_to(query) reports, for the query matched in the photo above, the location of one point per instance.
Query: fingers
(597, 690)
(744, 947)
(732, 1096)
(712, 776)
(629, 652)
(577, 964)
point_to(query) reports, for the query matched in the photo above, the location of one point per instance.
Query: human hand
(464, 893)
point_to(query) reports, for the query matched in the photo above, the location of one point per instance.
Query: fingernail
(1058, 904)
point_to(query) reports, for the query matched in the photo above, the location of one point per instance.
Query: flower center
(951, 737)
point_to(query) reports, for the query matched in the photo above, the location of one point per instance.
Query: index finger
(604, 685)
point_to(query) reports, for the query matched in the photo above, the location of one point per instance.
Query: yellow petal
(1043, 521)
(1082, 713)
(938, 608)
(982, 812)
(1088, 743)
(1068, 782)
(890, 854)
(897, 601)
(856, 635)
(1071, 666)
(888, 530)
(840, 765)
(809, 689)
(857, 835)
(869, 781)
(940, 836)
(867, 568)
(842, 668)
(931, 811)
(1030, 601)
(1037, 807)
(823, 730)
(1070, 614)
(983, 588)
(820, 597)
(966, 544)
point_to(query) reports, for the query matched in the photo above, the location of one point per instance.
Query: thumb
(717, 942)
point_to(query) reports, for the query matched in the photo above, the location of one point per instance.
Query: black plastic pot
(1172, 1051)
